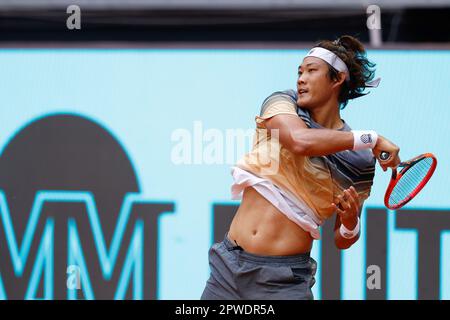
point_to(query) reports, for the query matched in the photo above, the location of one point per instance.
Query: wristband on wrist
(364, 139)
(349, 234)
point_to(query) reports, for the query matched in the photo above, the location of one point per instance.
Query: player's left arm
(348, 209)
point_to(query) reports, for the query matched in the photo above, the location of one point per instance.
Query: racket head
(410, 180)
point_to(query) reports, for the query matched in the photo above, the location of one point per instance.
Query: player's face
(314, 86)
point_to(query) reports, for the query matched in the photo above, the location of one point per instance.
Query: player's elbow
(300, 144)
(300, 149)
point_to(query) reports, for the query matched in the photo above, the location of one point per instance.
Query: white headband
(331, 58)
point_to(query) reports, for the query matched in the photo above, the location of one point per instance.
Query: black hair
(361, 70)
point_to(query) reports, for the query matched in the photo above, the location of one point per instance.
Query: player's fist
(384, 145)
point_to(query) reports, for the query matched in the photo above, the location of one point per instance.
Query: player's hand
(384, 144)
(347, 207)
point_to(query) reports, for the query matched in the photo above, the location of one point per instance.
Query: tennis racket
(407, 183)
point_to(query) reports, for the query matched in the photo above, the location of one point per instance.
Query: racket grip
(384, 155)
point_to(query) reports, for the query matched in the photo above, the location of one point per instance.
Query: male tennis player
(321, 167)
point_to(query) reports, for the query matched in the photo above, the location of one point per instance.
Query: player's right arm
(299, 139)
(294, 135)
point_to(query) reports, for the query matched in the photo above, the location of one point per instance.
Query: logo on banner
(73, 224)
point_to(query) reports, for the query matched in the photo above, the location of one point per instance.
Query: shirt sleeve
(277, 103)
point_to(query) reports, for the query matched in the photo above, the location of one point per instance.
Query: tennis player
(306, 165)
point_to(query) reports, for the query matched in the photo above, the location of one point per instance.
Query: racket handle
(384, 155)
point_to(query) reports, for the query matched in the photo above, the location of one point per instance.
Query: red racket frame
(396, 176)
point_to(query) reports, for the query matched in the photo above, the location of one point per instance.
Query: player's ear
(339, 80)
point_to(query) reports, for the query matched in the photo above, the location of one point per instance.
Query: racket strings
(410, 180)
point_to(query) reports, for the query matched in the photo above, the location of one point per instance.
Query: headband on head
(331, 58)
(337, 63)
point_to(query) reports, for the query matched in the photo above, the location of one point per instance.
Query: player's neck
(328, 116)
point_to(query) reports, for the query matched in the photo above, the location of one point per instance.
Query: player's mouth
(302, 91)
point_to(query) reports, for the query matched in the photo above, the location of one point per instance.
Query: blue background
(143, 95)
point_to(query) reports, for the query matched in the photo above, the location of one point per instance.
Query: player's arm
(348, 211)
(299, 139)
(294, 135)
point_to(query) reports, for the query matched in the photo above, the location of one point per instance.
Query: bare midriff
(260, 228)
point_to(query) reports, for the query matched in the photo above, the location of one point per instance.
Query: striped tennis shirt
(315, 181)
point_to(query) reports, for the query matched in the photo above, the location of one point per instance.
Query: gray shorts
(239, 275)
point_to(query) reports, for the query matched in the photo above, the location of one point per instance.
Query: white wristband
(364, 139)
(349, 234)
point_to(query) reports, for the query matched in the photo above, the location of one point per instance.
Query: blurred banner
(115, 171)
(218, 4)
(383, 22)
